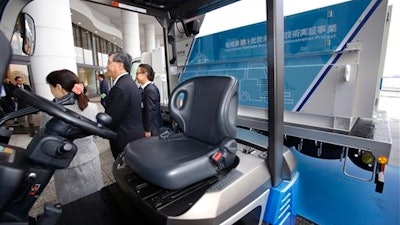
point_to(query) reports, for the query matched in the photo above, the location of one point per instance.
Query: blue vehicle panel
(312, 42)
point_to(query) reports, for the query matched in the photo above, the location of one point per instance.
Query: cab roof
(170, 9)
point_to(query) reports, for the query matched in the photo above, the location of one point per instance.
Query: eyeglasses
(109, 62)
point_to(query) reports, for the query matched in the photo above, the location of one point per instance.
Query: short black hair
(149, 70)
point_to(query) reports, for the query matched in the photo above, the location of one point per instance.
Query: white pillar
(150, 35)
(54, 43)
(131, 36)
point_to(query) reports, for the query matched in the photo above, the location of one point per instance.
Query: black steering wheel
(65, 114)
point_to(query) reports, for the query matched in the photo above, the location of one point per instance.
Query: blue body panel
(327, 197)
(313, 41)
(323, 194)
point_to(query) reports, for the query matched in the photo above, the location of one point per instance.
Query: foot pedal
(51, 214)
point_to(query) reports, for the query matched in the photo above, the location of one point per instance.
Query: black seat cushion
(175, 162)
(205, 108)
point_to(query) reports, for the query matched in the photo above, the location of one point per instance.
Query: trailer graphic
(319, 45)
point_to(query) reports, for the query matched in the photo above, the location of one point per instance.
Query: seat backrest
(205, 108)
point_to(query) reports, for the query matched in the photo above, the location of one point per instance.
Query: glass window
(85, 40)
(77, 36)
(16, 40)
(21, 70)
(84, 34)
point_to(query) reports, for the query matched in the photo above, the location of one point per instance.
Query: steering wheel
(65, 114)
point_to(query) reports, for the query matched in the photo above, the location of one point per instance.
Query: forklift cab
(208, 173)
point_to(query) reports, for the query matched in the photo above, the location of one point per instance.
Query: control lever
(103, 120)
(66, 148)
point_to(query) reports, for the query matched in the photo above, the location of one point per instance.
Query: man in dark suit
(151, 109)
(8, 100)
(21, 103)
(123, 103)
(104, 89)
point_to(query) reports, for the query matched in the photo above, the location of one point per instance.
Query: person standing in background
(123, 103)
(83, 175)
(21, 103)
(104, 89)
(8, 103)
(2, 100)
(151, 109)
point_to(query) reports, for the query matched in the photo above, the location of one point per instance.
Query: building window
(89, 46)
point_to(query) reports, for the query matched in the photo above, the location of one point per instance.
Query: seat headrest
(205, 107)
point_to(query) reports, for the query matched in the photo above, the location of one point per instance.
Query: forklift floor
(325, 196)
(108, 206)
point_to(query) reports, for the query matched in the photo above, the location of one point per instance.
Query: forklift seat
(205, 109)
